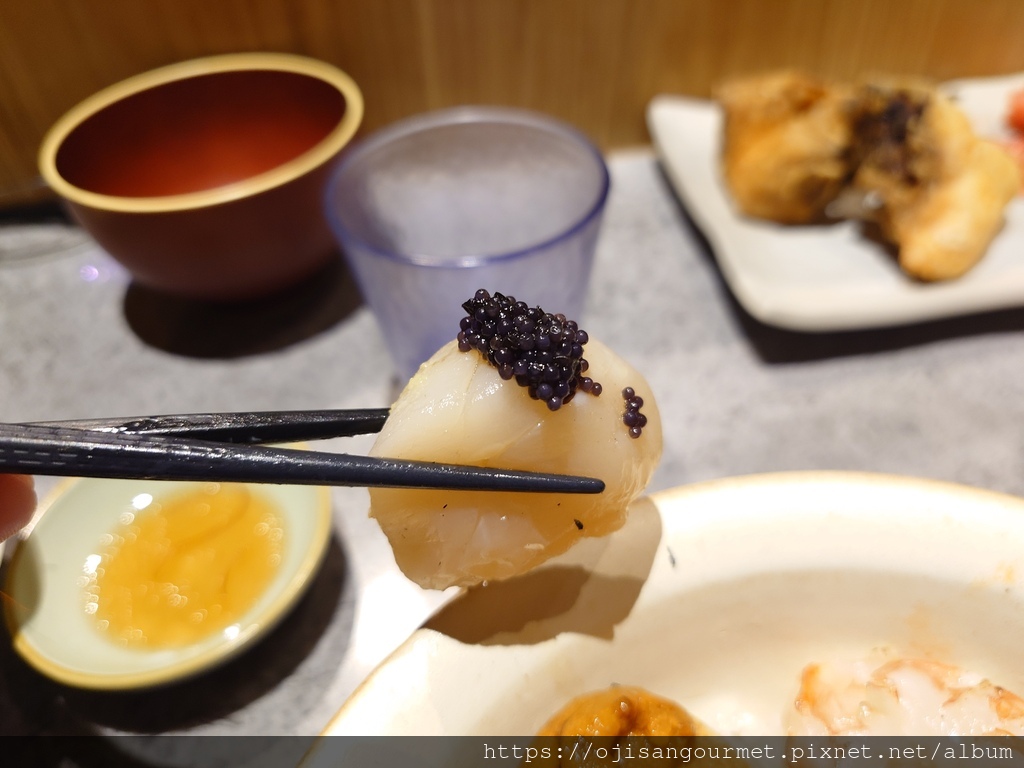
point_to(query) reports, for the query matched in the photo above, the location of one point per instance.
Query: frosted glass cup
(430, 209)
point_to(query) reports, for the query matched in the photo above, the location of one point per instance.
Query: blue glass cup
(430, 209)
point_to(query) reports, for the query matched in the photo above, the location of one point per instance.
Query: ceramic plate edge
(422, 639)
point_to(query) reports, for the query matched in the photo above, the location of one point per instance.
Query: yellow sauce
(182, 569)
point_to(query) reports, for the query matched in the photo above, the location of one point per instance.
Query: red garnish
(1015, 118)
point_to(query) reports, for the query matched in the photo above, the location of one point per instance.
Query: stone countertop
(941, 400)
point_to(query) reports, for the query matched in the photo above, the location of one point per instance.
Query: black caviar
(632, 418)
(541, 351)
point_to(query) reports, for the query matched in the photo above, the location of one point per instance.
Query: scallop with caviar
(515, 391)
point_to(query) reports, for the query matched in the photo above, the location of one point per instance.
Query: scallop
(458, 409)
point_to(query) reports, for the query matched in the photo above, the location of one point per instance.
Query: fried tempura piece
(785, 145)
(623, 711)
(935, 189)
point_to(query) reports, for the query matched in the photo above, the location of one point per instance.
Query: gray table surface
(940, 400)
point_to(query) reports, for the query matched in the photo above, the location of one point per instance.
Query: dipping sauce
(181, 569)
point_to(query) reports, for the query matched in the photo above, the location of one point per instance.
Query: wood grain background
(594, 63)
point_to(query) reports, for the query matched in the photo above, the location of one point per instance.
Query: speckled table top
(941, 400)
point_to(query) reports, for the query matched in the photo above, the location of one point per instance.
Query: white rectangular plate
(830, 277)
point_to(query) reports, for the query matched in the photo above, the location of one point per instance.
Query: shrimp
(461, 408)
(902, 697)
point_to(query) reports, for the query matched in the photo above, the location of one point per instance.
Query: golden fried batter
(622, 711)
(900, 155)
(786, 139)
(936, 190)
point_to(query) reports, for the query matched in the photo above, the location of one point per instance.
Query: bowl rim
(320, 153)
(465, 115)
(705, 499)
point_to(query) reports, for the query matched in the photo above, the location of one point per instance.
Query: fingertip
(17, 503)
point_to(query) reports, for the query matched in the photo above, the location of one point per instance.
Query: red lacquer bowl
(204, 178)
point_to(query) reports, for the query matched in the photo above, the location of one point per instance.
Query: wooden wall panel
(595, 63)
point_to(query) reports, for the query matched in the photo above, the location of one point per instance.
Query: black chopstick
(72, 452)
(251, 428)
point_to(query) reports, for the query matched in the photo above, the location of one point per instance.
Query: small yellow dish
(49, 573)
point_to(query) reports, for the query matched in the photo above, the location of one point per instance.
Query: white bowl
(45, 613)
(717, 595)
